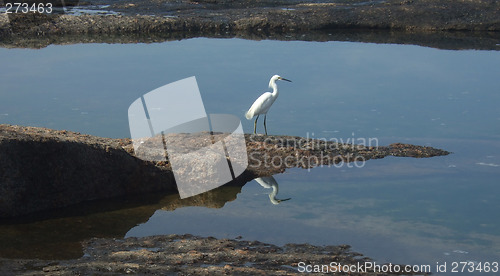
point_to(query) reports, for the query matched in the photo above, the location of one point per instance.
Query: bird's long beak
(285, 79)
(280, 200)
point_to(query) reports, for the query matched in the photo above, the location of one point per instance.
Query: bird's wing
(260, 106)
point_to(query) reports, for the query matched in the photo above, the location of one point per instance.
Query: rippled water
(416, 211)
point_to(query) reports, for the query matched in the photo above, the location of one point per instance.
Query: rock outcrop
(41, 169)
(192, 255)
(475, 24)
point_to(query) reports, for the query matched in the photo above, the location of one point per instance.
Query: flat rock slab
(274, 154)
(41, 168)
(192, 255)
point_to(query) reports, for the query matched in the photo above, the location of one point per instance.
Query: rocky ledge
(191, 255)
(470, 24)
(41, 168)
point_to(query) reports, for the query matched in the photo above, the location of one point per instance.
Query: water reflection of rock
(58, 234)
(215, 198)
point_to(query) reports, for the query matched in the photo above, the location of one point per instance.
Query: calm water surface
(403, 210)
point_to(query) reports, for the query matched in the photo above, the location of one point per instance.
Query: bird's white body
(264, 102)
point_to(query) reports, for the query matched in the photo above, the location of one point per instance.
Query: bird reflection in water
(269, 182)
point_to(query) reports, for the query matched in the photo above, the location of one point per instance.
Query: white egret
(264, 102)
(269, 182)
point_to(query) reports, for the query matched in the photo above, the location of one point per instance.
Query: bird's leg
(255, 125)
(265, 128)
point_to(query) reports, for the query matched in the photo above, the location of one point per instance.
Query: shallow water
(403, 210)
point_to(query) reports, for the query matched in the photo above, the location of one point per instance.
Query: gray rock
(41, 169)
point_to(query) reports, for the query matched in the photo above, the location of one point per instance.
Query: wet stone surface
(192, 255)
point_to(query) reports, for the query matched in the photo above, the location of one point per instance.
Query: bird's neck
(275, 190)
(272, 196)
(274, 87)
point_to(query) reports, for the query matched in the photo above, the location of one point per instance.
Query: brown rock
(41, 169)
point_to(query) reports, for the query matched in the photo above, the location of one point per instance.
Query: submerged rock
(41, 168)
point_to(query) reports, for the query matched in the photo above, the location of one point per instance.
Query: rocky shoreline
(42, 169)
(442, 23)
(192, 255)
